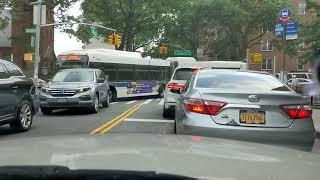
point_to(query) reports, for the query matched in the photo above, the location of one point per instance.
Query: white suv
(179, 77)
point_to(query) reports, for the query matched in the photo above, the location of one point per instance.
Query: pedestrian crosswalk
(159, 101)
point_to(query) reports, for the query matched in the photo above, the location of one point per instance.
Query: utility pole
(37, 40)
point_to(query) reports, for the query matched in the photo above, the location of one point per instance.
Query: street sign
(28, 57)
(285, 15)
(199, 52)
(256, 58)
(94, 31)
(182, 53)
(292, 30)
(31, 30)
(42, 16)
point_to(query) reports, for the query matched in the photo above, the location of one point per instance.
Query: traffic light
(110, 40)
(163, 50)
(117, 40)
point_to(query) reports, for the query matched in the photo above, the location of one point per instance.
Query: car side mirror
(176, 91)
(100, 80)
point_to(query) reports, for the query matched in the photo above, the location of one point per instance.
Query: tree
(140, 22)
(312, 32)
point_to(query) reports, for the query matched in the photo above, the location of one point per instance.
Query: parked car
(177, 81)
(244, 105)
(75, 88)
(302, 75)
(19, 100)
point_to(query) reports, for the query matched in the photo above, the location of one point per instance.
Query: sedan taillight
(298, 111)
(175, 86)
(203, 106)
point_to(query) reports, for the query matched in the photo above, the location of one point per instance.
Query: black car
(19, 98)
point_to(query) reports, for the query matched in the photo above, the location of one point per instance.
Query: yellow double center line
(114, 122)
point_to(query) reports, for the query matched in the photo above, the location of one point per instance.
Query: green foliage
(312, 32)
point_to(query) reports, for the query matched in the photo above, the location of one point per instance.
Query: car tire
(166, 112)
(46, 111)
(106, 103)
(114, 96)
(95, 107)
(24, 118)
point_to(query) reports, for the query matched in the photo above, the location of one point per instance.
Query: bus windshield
(72, 61)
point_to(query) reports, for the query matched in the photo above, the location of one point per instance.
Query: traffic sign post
(284, 16)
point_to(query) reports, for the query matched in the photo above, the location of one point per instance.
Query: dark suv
(19, 98)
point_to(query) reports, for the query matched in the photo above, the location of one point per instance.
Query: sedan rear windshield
(183, 74)
(242, 81)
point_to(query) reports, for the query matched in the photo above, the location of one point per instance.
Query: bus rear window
(72, 61)
(183, 73)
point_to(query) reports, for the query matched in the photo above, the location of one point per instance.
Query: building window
(301, 47)
(266, 45)
(302, 8)
(300, 65)
(266, 64)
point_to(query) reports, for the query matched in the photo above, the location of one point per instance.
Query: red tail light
(175, 86)
(203, 106)
(170, 85)
(298, 111)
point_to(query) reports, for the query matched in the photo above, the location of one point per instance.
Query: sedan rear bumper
(269, 137)
(300, 133)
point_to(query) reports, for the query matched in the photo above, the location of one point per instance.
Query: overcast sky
(62, 41)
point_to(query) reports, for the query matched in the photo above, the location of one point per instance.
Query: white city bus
(128, 73)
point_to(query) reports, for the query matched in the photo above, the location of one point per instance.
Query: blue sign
(285, 14)
(291, 30)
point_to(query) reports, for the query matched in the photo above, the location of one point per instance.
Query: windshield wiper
(63, 172)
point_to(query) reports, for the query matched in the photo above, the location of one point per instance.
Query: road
(133, 116)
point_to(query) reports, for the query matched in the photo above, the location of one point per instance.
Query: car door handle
(15, 87)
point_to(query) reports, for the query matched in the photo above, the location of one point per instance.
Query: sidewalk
(316, 119)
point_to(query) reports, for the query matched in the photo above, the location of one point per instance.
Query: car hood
(182, 155)
(68, 85)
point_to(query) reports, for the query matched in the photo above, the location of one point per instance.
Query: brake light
(170, 85)
(298, 111)
(203, 106)
(175, 86)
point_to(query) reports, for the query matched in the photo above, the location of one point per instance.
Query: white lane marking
(161, 102)
(114, 103)
(148, 101)
(130, 102)
(149, 120)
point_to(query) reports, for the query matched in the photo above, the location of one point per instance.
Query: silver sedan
(244, 105)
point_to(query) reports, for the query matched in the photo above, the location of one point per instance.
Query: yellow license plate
(252, 117)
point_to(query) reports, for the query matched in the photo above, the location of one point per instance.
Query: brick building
(273, 60)
(272, 57)
(16, 42)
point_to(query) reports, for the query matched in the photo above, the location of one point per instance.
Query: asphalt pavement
(131, 116)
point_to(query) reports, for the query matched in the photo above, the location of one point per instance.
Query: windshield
(239, 81)
(74, 76)
(217, 89)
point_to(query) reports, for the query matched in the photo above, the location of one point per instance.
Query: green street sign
(94, 31)
(182, 53)
(31, 30)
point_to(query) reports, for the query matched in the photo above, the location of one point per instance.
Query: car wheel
(46, 111)
(178, 126)
(166, 112)
(106, 103)
(95, 107)
(24, 118)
